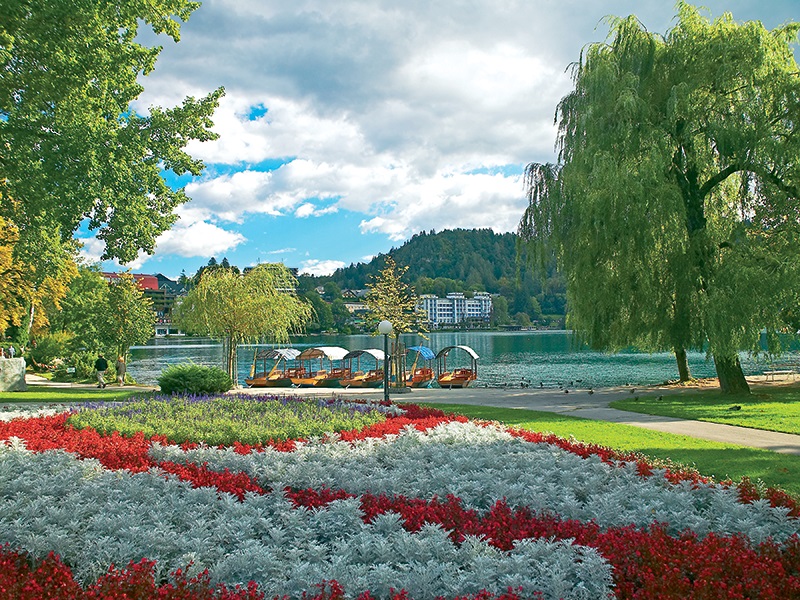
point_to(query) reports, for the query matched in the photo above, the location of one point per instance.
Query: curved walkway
(587, 404)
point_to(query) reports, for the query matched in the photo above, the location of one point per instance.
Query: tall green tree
(128, 318)
(392, 299)
(72, 148)
(236, 308)
(673, 208)
(83, 309)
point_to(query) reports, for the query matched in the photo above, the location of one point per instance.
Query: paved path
(583, 403)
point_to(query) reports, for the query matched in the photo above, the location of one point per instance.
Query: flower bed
(417, 505)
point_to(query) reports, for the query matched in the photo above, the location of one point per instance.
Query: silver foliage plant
(482, 465)
(93, 517)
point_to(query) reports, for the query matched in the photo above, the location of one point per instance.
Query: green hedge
(194, 379)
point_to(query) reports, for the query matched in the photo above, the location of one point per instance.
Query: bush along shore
(414, 504)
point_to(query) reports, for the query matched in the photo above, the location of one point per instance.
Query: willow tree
(673, 209)
(236, 308)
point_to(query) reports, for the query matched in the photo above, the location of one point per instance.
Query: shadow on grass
(718, 460)
(768, 408)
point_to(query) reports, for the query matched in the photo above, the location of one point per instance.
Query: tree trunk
(731, 376)
(683, 364)
(229, 353)
(30, 320)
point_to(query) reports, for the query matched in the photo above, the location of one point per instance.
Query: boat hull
(367, 380)
(457, 379)
(264, 382)
(321, 379)
(421, 378)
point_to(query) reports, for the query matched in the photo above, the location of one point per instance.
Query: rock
(12, 375)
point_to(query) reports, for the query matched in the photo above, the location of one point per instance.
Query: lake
(549, 358)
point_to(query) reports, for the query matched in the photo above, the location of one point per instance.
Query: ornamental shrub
(194, 379)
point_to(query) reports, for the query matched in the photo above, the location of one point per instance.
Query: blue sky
(349, 126)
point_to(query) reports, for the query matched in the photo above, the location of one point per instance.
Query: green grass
(43, 394)
(768, 408)
(721, 461)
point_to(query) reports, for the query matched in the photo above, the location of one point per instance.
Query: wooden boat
(278, 375)
(456, 378)
(420, 375)
(307, 376)
(356, 377)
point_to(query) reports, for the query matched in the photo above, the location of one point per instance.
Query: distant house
(457, 310)
(355, 308)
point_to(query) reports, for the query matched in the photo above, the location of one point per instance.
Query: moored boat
(420, 375)
(278, 375)
(356, 377)
(307, 376)
(458, 377)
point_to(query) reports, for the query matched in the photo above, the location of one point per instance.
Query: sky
(349, 126)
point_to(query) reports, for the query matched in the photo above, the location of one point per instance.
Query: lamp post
(385, 328)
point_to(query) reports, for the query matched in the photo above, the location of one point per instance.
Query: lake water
(550, 358)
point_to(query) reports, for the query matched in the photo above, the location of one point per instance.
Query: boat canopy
(374, 352)
(278, 353)
(445, 351)
(424, 351)
(329, 352)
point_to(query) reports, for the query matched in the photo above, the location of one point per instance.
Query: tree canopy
(672, 210)
(74, 151)
(259, 305)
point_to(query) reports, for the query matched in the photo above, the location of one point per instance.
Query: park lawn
(52, 395)
(769, 408)
(721, 461)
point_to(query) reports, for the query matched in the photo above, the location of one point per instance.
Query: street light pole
(385, 328)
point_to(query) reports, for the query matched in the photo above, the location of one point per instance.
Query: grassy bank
(722, 461)
(47, 395)
(769, 408)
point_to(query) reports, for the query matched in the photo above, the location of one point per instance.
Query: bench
(773, 373)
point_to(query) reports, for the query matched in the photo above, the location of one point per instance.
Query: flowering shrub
(419, 505)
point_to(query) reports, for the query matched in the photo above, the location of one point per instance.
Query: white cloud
(200, 238)
(320, 267)
(397, 112)
(92, 249)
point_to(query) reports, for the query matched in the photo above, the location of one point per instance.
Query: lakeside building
(456, 310)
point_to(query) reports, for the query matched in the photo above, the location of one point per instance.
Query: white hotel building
(456, 309)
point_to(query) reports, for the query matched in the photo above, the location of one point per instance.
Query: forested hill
(463, 260)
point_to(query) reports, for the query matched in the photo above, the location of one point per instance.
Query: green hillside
(465, 260)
